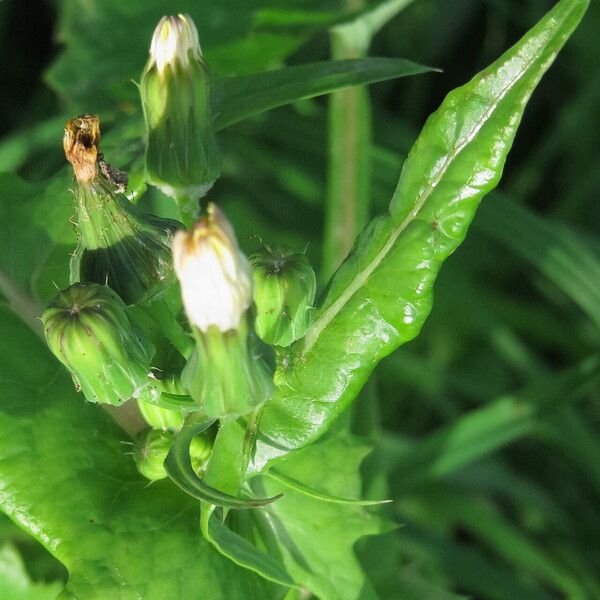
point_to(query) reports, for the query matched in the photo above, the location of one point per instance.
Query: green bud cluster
(200, 450)
(126, 263)
(284, 293)
(182, 158)
(89, 330)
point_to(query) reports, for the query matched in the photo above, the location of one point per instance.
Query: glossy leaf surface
(457, 159)
(89, 506)
(240, 550)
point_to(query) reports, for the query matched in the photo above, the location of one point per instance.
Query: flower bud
(200, 450)
(117, 246)
(221, 374)
(88, 329)
(284, 292)
(161, 418)
(149, 452)
(214, 274)
(182, 158)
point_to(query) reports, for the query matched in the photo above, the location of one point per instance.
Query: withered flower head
(80, 142)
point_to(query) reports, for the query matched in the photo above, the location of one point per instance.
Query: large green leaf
(381, 295)
(236, 98)
(66, 478)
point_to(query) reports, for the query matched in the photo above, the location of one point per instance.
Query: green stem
(348, 187)
(349, 133)
(189, 209)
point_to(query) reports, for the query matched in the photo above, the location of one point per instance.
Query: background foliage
(484, 427)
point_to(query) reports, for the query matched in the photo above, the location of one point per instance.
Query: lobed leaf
(316, 538)
(117, 536)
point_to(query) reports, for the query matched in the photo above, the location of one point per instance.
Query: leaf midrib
(357, 283)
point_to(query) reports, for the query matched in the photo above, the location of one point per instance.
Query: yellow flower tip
(174, 38)
(215, 276)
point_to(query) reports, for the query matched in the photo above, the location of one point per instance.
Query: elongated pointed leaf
(240, 550)
(382, 294)
(318, 494)
(236, 98)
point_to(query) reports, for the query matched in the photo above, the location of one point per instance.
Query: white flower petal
(216, 283)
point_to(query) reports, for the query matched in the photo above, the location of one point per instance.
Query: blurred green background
(486, 428)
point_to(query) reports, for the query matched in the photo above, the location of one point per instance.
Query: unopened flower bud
(161, 418)
(149, 452)
(215, 277)
(200, 450)
(182, 158)
(118, 245)
(222, 374)
(284, 292)
(88, 329)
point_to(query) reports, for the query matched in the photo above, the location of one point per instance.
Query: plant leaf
(35, 240)
(457, 159)
(106, 43)
(482, 432)
(15, 583)
(178, 465)
(318, 494)
(117, 536)
(551, 247)
(240, 550)
(236, 98)
(314, 535)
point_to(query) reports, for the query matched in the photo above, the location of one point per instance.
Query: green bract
(149, 452)
(223, 376)
(182, 158)
(160, 418)
(89, 331)
(284, 292)
(117, 244)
